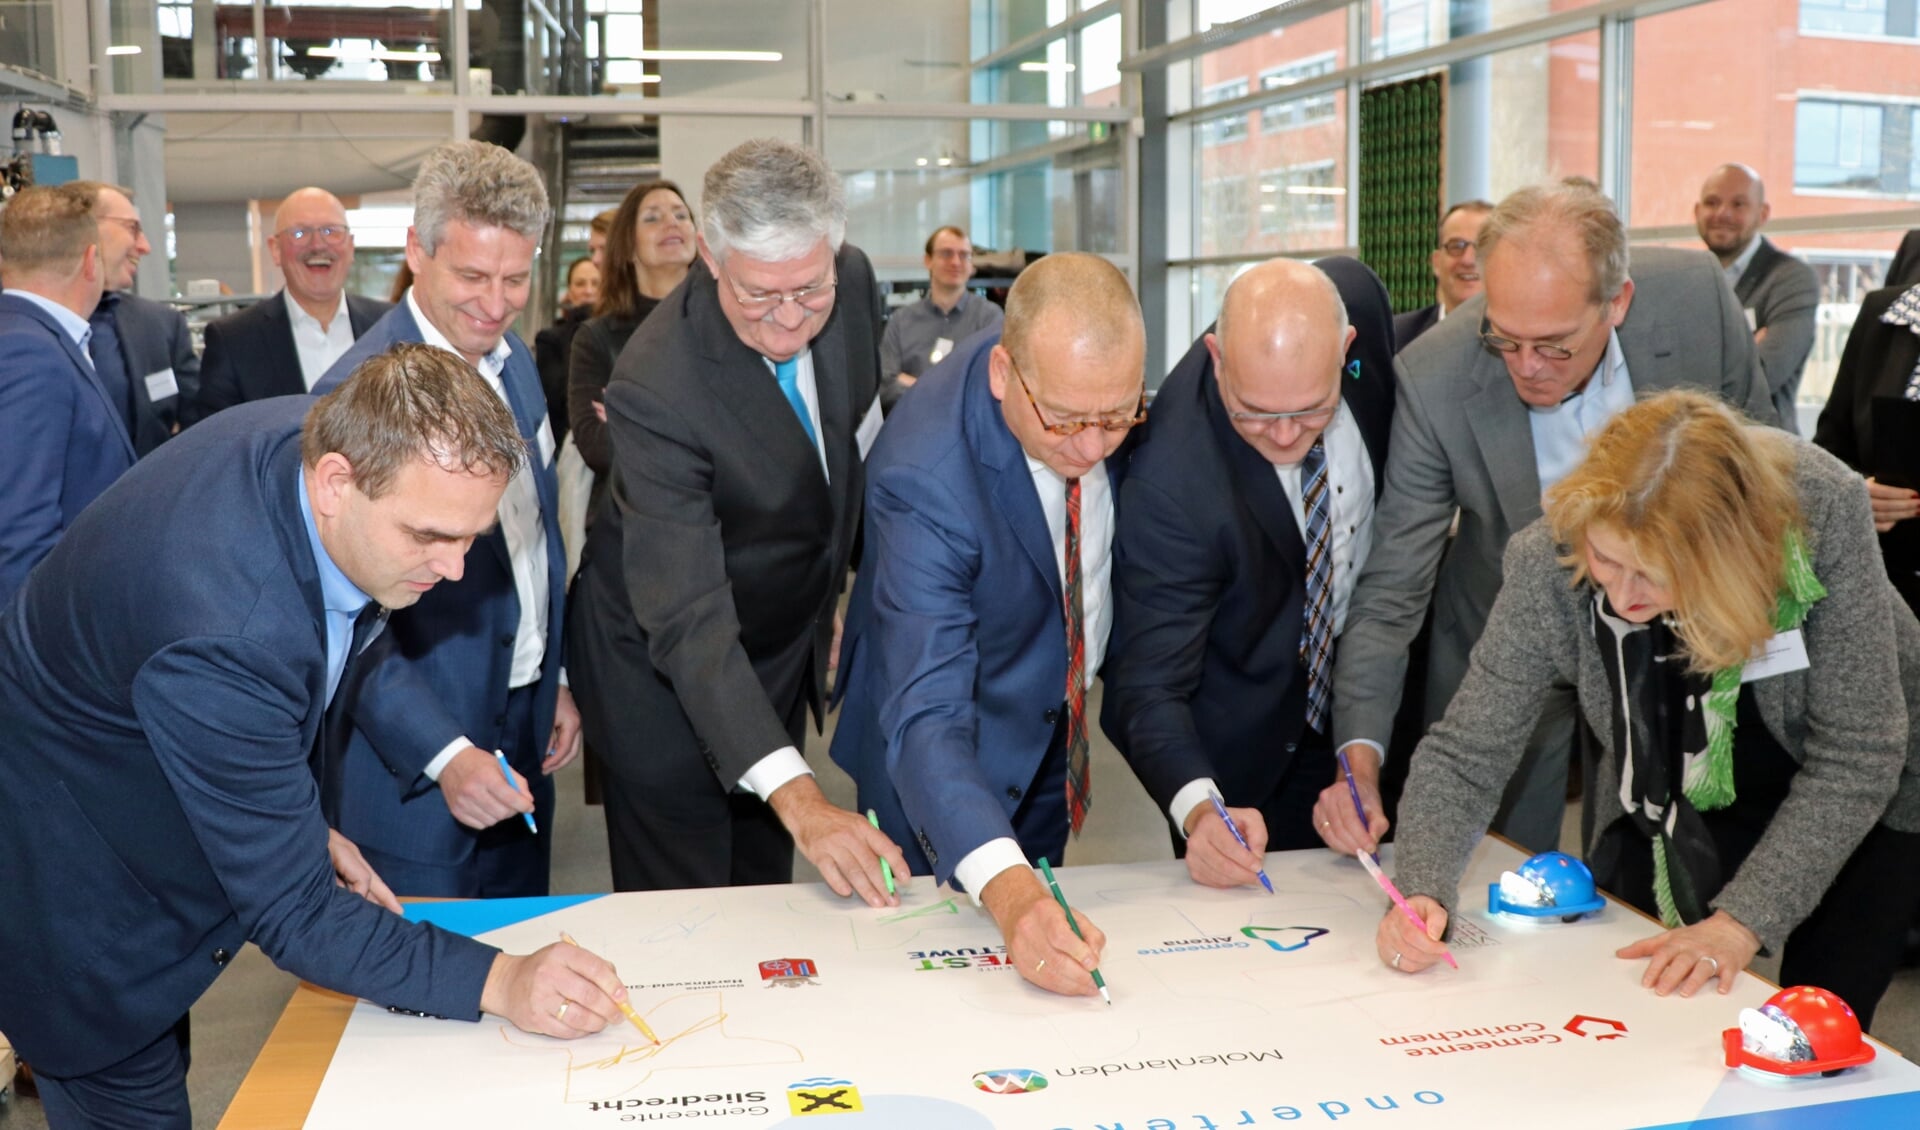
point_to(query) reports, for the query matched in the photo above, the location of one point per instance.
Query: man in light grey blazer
(1494, 406)
(1780, 294)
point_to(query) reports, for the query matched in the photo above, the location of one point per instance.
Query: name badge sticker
(1783, 653)
(161, 385)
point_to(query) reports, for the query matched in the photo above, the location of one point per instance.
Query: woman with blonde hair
(1711, 589)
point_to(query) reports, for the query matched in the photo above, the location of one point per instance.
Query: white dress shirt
(1741, 262)
(1096, 619)
(1350, 514)
(320, 347)
(520, 524)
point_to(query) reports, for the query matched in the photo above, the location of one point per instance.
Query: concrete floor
(233, 1020)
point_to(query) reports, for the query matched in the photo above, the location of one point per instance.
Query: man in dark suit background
(283, 345)
(478, 663)
(61, 441)
(1246, 515)
(1493, 407)
(1780, 294)
(703, 616)
(1456, 270)
(165, 808)
(142, 349)
(983, 604)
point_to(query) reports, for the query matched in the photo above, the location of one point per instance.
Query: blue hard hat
(1552, 884)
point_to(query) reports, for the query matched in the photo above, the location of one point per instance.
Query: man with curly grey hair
(702, 623)
(478, 660)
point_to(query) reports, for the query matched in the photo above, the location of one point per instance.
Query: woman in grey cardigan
(1747, 800)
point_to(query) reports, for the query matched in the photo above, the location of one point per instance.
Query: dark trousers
(145, 1091)
(508, 861)
(1288, 807)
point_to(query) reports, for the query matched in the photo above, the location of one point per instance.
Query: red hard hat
(1829, 1025)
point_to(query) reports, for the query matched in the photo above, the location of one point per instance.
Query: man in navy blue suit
(142, 349)
(61, 441)
(161, 729)
(477, 663)
(982, 607)
(1245, 518)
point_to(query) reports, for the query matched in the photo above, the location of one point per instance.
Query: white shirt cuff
(563, 679)
(774, 770)
(985, 862)
(1370, 744)
(1193, 795)
(439, 762)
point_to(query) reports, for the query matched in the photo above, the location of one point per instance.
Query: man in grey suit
(1779, 293)
(1494, 406)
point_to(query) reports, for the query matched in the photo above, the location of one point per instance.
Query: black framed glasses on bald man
(1075, 427)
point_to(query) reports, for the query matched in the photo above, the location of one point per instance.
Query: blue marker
(1220, 806)
(508, 774)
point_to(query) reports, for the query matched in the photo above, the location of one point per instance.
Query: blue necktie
(109, 362)
(788, 374)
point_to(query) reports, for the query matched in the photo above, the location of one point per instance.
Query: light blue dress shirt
(1560, 433)
(340, 597)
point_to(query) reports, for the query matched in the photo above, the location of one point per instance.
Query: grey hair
(772, 200)
(1576, 206)
(479, 183)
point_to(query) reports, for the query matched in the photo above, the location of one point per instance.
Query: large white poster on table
(781, 1006)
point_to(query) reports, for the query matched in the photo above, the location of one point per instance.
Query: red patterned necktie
(1079, 771)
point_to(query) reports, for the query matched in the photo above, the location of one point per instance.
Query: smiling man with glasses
(983, 603)
(1456, 270)
(142, 349)
(918, 336)
(1246, 514)
(703, 619)
(1495, 405)
(282, 346)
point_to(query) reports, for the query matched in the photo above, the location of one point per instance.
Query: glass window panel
(1400, 26)
(1286, 115)
(1002, 181)
(776, 27)
(920, 52)
(1276, 190)
(1524, 116)
(1100, 49)
(1828, 123)
(1231, 127)
(1848, 17)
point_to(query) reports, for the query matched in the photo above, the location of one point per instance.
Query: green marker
(886, 868)
(1099, 982)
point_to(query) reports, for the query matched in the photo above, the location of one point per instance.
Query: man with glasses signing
(982, 607)
(1495, 405)
(703, 619)
(1245, 517)
(282, 346)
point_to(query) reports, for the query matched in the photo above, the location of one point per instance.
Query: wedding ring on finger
(1713, 961)
(562, 1014)
(1397, 955)
(1039, 965)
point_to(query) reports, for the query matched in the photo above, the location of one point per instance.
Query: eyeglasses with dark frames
(1075, 427)
(1456, 247)
(1550, 351)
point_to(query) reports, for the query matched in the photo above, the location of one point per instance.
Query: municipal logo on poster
(789, 971)
(1286, 939)
(823, 1095)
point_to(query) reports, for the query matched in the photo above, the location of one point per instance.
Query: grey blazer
(1462, 441)
(1784, 295)
(1841, 718)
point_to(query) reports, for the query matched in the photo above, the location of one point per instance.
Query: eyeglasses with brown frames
(1075, 427)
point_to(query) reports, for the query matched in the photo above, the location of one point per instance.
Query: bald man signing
(280, 346)
(1247, 513)
(982, 607)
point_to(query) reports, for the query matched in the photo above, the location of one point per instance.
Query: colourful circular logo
(1010, 1081)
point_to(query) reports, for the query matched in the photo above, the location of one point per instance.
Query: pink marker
(1386, 885)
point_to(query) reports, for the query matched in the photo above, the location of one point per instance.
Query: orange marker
(624, 1006)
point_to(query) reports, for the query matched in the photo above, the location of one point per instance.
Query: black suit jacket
(722, 543)
(1878, 361)
(154, 338)
(250, 355)
(1412, 324)
(1905, 268)
(1203, 676)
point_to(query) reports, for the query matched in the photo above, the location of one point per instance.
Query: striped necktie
(1079, 768)
(1316, 636)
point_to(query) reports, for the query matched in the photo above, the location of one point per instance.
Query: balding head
(1278, 352)
(1731, 210)
(1073, 350)
(313, 249)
